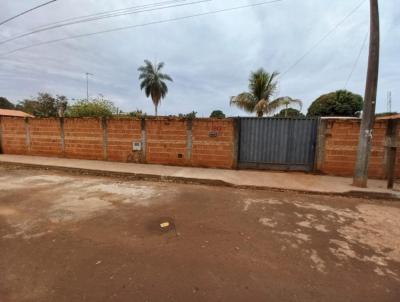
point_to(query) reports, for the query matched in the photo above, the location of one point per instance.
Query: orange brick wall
(45, 136)
(166, 141)
(121, 134)
(398, 155)
(218, 151)
(341, 141)
(212, 142)
(83, 138)
(13, 135)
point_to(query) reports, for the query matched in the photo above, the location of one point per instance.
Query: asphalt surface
(66, 237)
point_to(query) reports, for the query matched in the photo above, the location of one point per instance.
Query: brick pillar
(143, 140)
(1, 141)
(390, 152)
(189, 140)
(62, 136)
(105, 137)
(27, 135)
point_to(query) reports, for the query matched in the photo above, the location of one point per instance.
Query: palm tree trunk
(155, 106)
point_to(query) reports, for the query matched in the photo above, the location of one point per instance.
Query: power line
(356, 61)
(109, 11)
(25, 12)
(301, 58)
(143, 25)
(96, 17)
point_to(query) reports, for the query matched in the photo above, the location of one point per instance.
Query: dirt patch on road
(80, 238)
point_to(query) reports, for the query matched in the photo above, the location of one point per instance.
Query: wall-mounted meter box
(136, 146)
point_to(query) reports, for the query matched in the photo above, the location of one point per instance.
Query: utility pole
(367, 123)
(389, 102)
(87, 85)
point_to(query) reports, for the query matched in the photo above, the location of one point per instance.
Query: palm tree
(262, 86)
(287, 101)
(153, 81)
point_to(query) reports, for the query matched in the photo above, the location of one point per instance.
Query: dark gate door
(277, 143)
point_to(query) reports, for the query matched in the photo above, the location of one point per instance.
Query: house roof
(389, 117)
(15, 113)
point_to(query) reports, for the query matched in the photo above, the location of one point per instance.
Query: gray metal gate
(277, 143)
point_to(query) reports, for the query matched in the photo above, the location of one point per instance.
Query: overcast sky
(209, 57)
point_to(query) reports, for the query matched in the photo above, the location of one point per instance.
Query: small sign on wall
(136, 146)
(215, 131)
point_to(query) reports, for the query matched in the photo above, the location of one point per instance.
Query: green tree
(61, 105)
(6, 104)
(189, 116)
(92, 108)
(137, 114)
(44, 105)
(217, 114)
(27, 105)
(153, 82)
(338, 103)
(289, 112)
(262, 86)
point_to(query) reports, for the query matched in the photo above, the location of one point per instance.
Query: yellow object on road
(164, 224)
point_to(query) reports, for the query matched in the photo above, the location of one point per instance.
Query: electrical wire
(356, 61)
(99, 18)
(142, 25)
(103, 13)
(25, 12)
(315, 45)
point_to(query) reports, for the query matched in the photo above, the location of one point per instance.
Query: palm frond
(245, 101)
(160, 66)
(288, 101)
(262, 107)
(164, 76)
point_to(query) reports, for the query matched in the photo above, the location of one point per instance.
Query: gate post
(1, 140)
(236, 142)
(390, 152)
(320, 145)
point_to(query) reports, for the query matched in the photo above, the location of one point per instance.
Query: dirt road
(78, 238)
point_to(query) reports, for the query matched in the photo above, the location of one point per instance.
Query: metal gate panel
(277, 143)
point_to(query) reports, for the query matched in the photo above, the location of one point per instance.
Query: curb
(196, 181)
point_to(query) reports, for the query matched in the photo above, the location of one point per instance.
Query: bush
(289, 112)
(339, 103)
(137, 114)
(189, 116)
(93, 108)
(217, 114)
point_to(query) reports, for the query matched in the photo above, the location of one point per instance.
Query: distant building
(389, 117)
(14, 113)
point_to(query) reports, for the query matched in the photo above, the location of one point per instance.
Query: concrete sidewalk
(292, 181)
